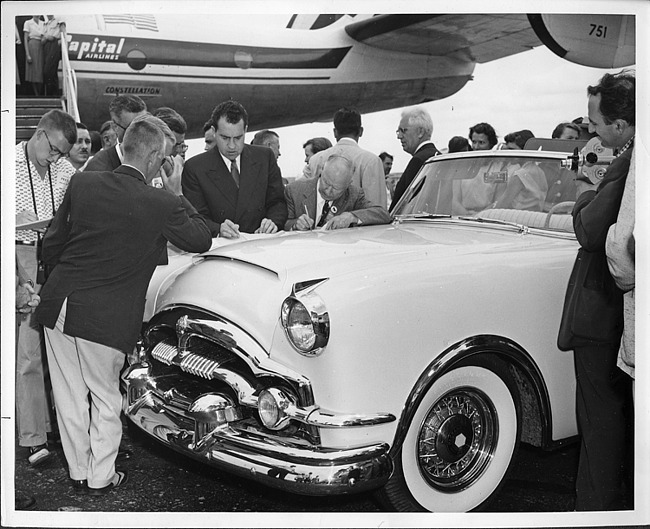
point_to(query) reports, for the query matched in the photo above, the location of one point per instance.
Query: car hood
(307, 255)
(246, 282)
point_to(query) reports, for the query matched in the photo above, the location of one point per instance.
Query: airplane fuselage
(281, 76)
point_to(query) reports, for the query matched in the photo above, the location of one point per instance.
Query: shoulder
(201, 159)
(257, 152)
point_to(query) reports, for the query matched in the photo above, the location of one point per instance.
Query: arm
(407, 177)
(275, 206)
(194, 193)
(595, 211)
(186, 228)
(373, 182)
(59, 230)
(368, 212)
(513, 188)
(292, 215)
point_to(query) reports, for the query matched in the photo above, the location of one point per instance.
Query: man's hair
(385, 155)
(262, 136)
(156, 122)
(419, 117)
(141, 137)
(127, 103)
(617, 96)
(207, 125)
(347, 121)
(232, 111)
(519, 138)
(173, 119)
(61, 121)
(95, 142)
(458, 144)
(557, 131)
(318, 144)
(487, 129)
(107, 125)
(81, 125)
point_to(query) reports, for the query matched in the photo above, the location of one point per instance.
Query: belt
(26, 243)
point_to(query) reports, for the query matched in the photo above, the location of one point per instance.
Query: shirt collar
(228, 162)
(625, 147)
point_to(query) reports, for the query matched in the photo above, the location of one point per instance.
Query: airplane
(305, 71)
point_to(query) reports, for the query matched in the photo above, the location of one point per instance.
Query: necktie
(323, 215)
(234, 172)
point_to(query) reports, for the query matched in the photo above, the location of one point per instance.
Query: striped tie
(323, 215)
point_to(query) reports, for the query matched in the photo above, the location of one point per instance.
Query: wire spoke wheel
(459, 444)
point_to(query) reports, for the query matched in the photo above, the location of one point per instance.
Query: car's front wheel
(459, 444)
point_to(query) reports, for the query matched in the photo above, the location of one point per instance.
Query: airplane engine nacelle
(596, 40)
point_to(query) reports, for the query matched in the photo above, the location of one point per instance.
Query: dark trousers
(600, 406)
(51, 58)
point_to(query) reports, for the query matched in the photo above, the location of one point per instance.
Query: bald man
(332, 201)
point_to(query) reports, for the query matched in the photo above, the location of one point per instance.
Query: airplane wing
(480, 37)
(590, 39)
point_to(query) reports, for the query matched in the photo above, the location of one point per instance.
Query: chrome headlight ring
(305, 319)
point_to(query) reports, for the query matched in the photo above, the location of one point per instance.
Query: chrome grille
(165, 351)
(199, 365)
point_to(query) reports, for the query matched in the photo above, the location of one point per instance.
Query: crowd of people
(95, 210)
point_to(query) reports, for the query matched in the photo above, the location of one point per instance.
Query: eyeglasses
(54, 151)
(116, 123)
(181, 146)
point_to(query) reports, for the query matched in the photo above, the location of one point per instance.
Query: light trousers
(32, 412)
(85, 382)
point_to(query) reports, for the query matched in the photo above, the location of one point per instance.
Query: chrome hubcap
(457, 439)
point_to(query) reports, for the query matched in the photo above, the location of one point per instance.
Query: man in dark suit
(414, 133)
(236, 187)
(104, 244)
(331, 201)
(123, 110)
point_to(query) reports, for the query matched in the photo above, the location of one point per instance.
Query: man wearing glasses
(177, 125)
(123, 110)
(42, 176)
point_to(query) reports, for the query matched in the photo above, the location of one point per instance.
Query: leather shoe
(123, 454)
(80, 486)
(122, 478)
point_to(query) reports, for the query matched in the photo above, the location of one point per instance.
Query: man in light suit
(104, 244)
(331, 202)
(414, 133)
(236, 187)
(368, 172)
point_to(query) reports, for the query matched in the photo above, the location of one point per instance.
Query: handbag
(593, 306)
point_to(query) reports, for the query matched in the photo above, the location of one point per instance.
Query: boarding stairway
(29, 111)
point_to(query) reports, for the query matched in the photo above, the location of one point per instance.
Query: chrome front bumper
(280, 463)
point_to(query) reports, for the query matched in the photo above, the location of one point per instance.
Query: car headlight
(305, 319)
(272, 406)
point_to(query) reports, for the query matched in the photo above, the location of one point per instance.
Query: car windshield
(533, 191)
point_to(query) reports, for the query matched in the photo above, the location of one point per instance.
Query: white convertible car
(409, 358)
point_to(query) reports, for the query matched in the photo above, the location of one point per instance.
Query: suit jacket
(593, 305)
(420, 156)
(303, 193)
(368, 172)
(104, 160)
(104, 243)
(209, 186)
